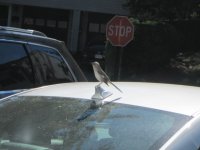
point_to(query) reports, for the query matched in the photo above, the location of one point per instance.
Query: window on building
(103, 28)
(28, 21)
(40, 22)
(51, 23)
(62, 24)
(93, 27)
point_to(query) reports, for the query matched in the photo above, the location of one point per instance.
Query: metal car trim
(19, 30)
(6, 93)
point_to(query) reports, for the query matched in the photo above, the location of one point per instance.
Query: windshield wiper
(20, 146)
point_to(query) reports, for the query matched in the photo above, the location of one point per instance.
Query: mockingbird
(101, 76)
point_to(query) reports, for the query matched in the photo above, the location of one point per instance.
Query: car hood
(168, 97)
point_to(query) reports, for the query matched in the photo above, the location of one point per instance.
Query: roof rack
(27, 31)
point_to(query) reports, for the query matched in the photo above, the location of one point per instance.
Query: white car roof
(173, 98)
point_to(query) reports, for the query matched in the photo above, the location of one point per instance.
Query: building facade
(78, 23)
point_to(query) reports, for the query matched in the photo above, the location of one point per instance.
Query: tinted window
(15, 67)
(64, 123)
(49, 65)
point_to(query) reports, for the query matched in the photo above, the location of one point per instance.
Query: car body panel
(178, 99)
(172, 98)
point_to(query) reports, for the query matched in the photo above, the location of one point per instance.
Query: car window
(67, 123)
(49, 65)
(15, 67)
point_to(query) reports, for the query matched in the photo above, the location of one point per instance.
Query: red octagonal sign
(119, 31)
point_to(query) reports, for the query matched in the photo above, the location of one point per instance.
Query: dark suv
(30, 59)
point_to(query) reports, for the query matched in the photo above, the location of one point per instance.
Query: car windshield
(68, 123)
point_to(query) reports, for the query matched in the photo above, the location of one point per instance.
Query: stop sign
(119, 31)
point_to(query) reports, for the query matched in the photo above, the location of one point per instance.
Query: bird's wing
(103, 76)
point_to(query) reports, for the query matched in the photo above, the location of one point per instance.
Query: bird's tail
(116, 87)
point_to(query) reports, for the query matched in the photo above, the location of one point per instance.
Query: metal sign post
(119, 31)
